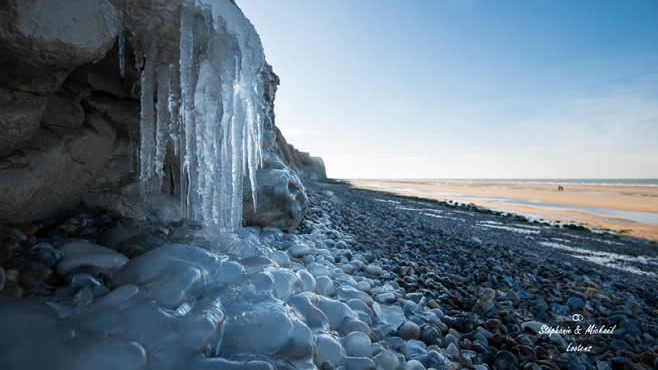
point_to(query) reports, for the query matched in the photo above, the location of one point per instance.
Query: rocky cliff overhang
(72, 108)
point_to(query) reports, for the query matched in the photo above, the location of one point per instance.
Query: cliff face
(72, 108)
(307, 166)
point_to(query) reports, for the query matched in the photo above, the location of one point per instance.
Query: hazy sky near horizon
(467, 88)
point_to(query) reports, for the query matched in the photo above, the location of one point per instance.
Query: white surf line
(606, 258)
(491, 222)
(386, 201)
(508, 228)
(409, 209)
(534, 227)
(441, 216)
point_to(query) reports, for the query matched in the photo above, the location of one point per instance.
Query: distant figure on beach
(560, 188)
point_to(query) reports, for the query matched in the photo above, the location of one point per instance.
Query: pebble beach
(369, 280)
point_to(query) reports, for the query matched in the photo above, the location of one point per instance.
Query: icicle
(174, 107)
(122, 55)
(210, 106)
(188, 149)
(237, 152)
(162, 124)
(147, 126)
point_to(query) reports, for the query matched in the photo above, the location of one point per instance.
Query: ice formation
(206, 108)
(122, 55)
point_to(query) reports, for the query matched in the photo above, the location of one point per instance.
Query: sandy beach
(631, 210)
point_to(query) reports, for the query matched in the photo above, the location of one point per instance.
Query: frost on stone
(210, 107)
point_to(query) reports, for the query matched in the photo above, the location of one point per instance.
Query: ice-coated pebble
(299, 250)
(373, 270)
(348, 268)
(254, 264)
(413, 365)
(329, 350)
(387, 360)
(391, 315)
(357, 263)
(224, 364)
(318, 270)
(359, 363)
(118, 296)
(414, 348)
(336, 311)
(308, 280)
(314, 317)
(82, 253)
(350, 325)
(364, 286)
(107, 355)
(281, 259)
(347, 292)
(357, 344)
(264, 329)
(433, 359)
(83, 297)
(325, 286)
(409, 330)
(386, 298)
(285, 281)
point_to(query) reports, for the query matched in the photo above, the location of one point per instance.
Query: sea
(601, 182)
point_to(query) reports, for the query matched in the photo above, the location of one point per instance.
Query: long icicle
(162, 125)
(147, 125)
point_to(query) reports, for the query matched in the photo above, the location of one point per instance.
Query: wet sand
(631, 210)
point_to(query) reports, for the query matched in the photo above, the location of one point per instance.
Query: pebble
(328, 349)
(533, 326)
(348, 268)
(505, 360)
(453, 352)
(409, 330)
(576, 303)
(357, 344)
(486, 301)
(308, 280)
(80, 253)
(325, 286)
(299, 250)
(359, 363)
(281, 259)
(47, 254)
(386, 298)
(364, 286)
(373, 270)
(429, 335)
(387, 360)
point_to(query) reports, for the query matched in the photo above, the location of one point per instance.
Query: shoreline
(625, 209)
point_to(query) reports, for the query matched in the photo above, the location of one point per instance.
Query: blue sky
(467, 88)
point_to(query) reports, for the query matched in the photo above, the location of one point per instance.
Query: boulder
(280, 200)
(41, 41)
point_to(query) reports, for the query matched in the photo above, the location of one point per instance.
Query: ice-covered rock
(81, 253)
(357, 344)
(328, 350)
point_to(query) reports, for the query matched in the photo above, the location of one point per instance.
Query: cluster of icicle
(205, 111)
